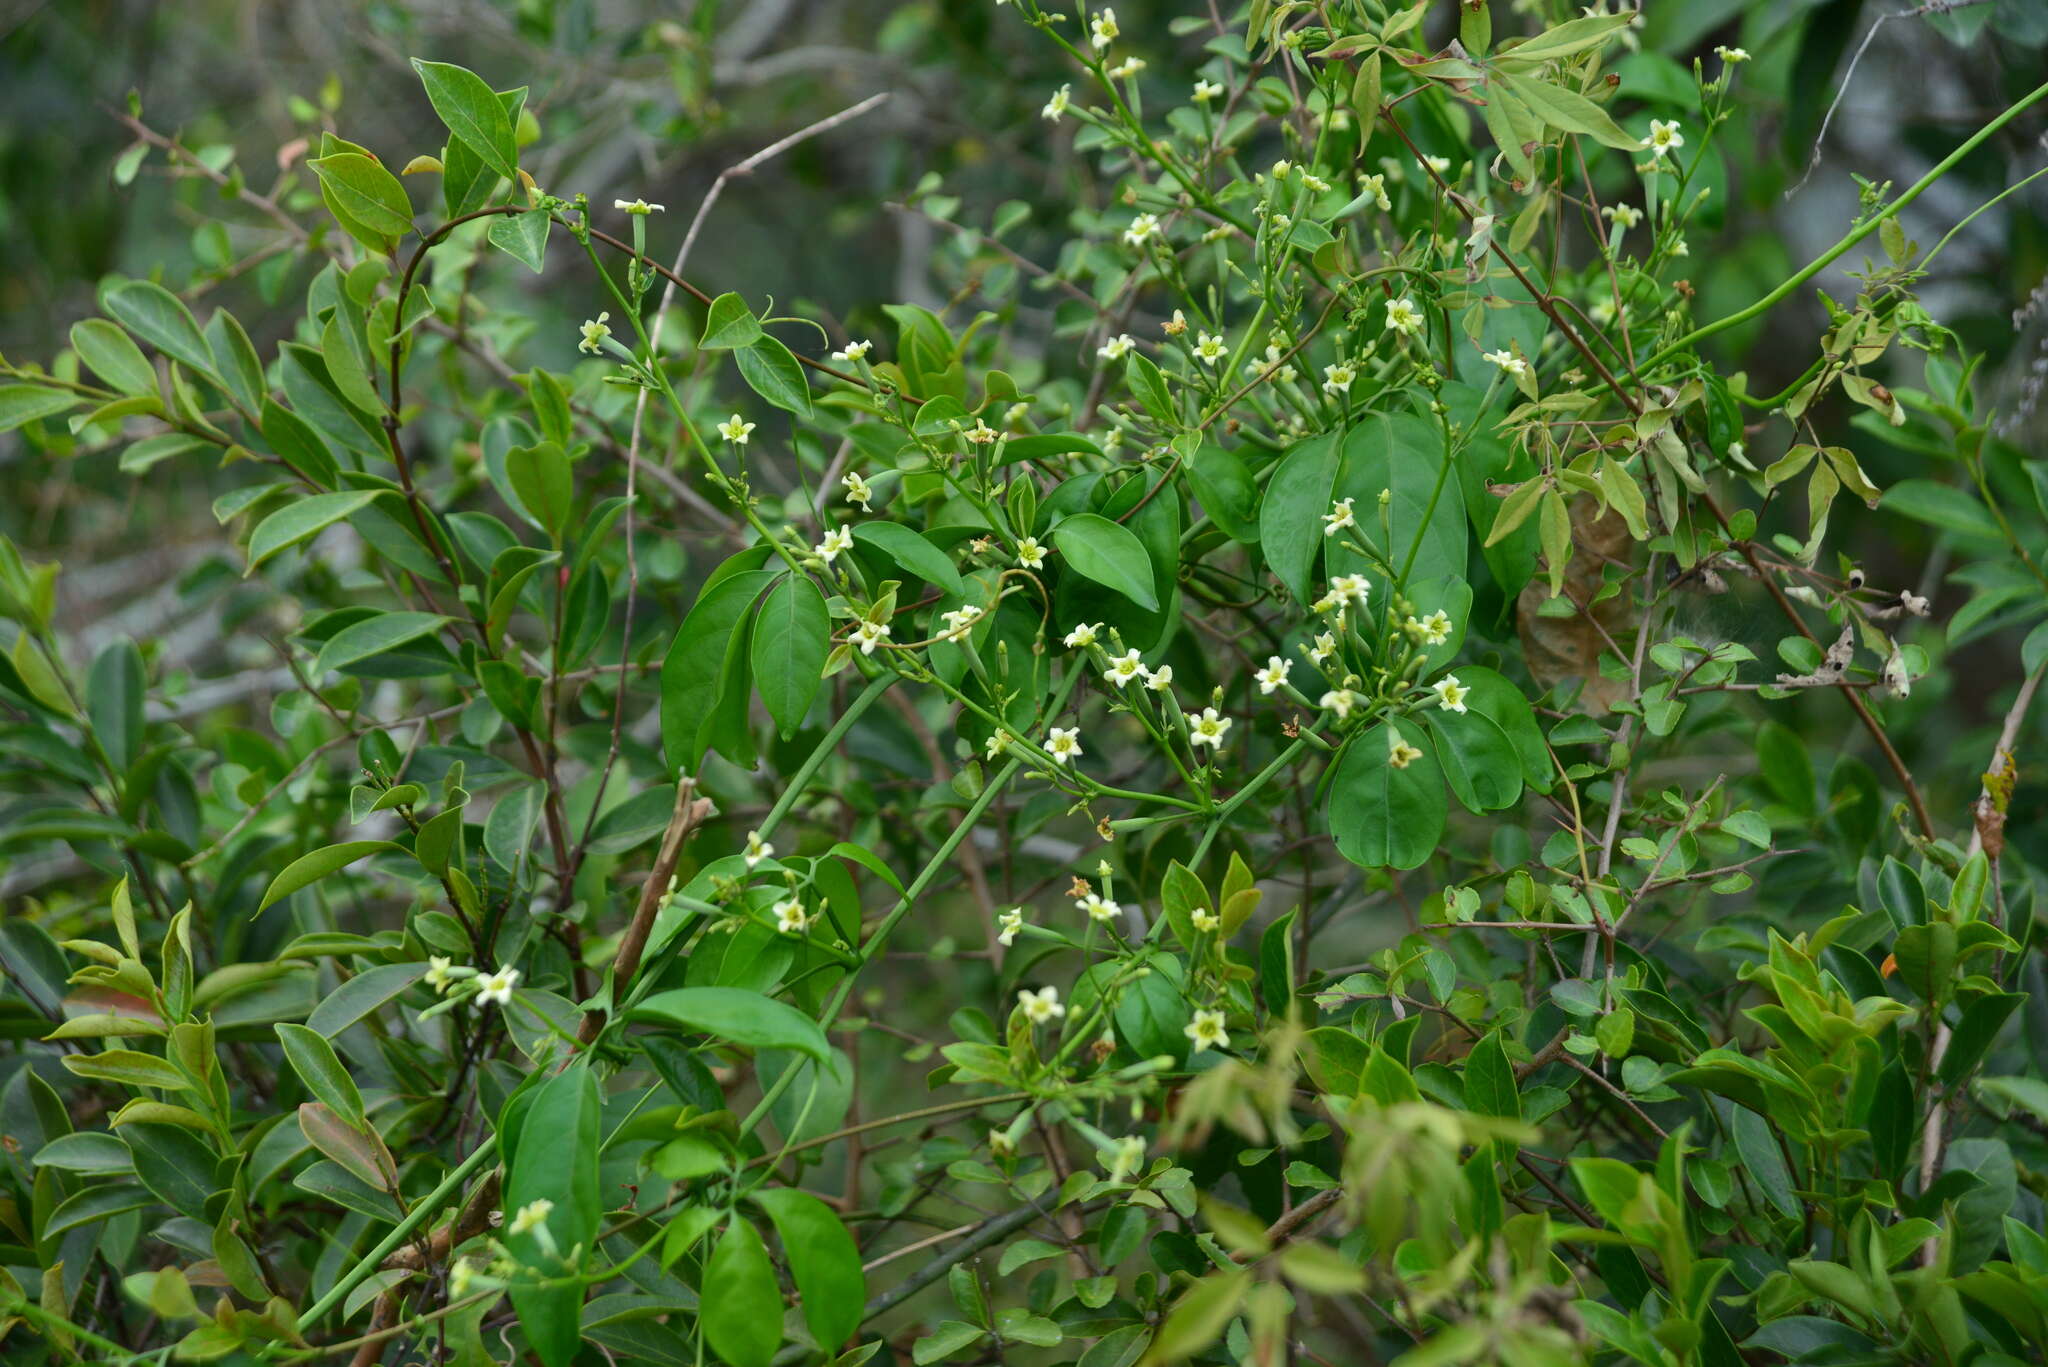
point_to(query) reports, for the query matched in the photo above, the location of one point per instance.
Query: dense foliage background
(479, 884)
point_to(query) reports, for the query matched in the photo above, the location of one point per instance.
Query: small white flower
(1324, 648)
(1355, 587)
(529, 1217)
(1400, 754)
(1159, 680)
(857, 490)
(837, 541)
(1082, 636)
(959, 620)
(438, 976)
(1116, 348)
(1337, 378)
(1008, 924)
(460, 1278)
(1913, 602)
(1376, 186)
(1123, 668)
(998, 742)
(1209, 349)
(1440, 165)
(1432, 630)
(1274, 676)
(1209, 728)
(1063, 744)
(1664, 137)
(1103, 30)
(1627, 215)
(1142, 227)
(853, 351)
(757, 849)
(1206, 1030)
(496, 988)
(1129, 66)
(1062, 100)
(1340, 516)
(868, 635)
(639, 206)
(1030, 554)
(1509, 363)
(1731, 56)
(736, 430)
(1340, 701)
(1042, 1005)
(594, 333)
(1205, 920)
(1098, 907)
(790, 918)
(981, 434)
(1678, 247)
(1450, 694)
(1403, 317)
(1206, 90)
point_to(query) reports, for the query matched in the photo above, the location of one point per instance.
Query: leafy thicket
(1210, 822)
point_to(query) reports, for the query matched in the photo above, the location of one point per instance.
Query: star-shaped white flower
(1204, 920)
(496, 988)
(1324, 648)
(1400, 754)
(1207, 1031)
(959, 621)
(1731, 56)
(1063, 744)
(1664, 137)
(439, 974)
(868, 635)
(1450, 694)
(736, 430)
(1509, 363)
(639, 206)
(757, 849)
(1432, 630)
(1116, 348)
(1142, 227)
(594, 333)
(853, 351)
(1042, 1005)
(1376, 187)
(1339, 517)
(1129, 66)
(998, 743)
(529, 1217)
(1274, 676)
(1008, 924)
(1355, 587)
(1627, 215)
(1030, 554)
(1337, 378)
(1102, 29)
(1403, 317)
(1082, 636)
(1159, 680)
(790, 918)
(1340, 701)
(857, 490)
(1206, 90)
(1099, 908)
(1123, 668)
(1209, 728)
(1209, 349)
(1055, 108)
(837, 542)
(981, 434)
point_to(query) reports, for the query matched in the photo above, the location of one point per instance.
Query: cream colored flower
(1337, 379)
(1339, 517)
(594, 333)
(1055, 108)
(1207, 1031)
(438, 975)
(1340, 701)
(1508, 362)
(1030, 554)
(868, 635)
(529, 1217)
(1209, 728)
(757, 849)
(857, 490)
(1403, 317)
(1124, 668)
(1082, 636)
(1627, 215)
(853, 351)
(1400, 754)
(1008, 924)
(638, 206)
(1209, 349)
(1116, 348)
(1159, 680)
(1206, 90)
(1102, 29)
(496, 988)
(1274, 676)
(1098, 907)
(1042, 1005)
(1063, 744)
(1450, 694)
(1664, 137)
(790, 918)
(736, 430)
(959, 621)
(1142, 227)
(837, 542)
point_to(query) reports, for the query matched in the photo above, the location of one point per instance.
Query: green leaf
(1402, 457)
(1199, 1316)
(738, 1017)
(822, 1258)
(554, 1159)
(693, 674)
(1291, 515)
(93, 1205)
(21, 404)
(523, 237)
(729, 324)
(366, 199)
(361, 995)
(1490, 1080)
(1110, 554)
(161, 319)
(1764, 1161)
(373, 636)
(792, 637)
(313, 1059)
(742, 1305)
(771, 370)
(947, 1339)
(1381, 816)
(309, 869)
(174, 1163)
(473, 113)
(113, 356)
(1943, 506)
(295, 522)
(357, 1149)
(130, 1068)
(1478, 759)
(913, 554)
(1573, 112)
(546, 487)
(1227, 492)
(113, 700)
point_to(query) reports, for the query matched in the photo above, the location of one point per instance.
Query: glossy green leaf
(792, 637)
(1109, 554)
(737, 1017)
(823, 1259)
(473, 113)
